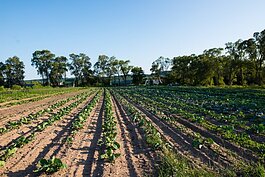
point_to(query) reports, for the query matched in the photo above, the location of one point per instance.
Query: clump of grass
(173, 165)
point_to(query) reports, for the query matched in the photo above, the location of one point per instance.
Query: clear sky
(138, 30)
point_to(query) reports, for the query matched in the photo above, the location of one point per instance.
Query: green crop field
(147, 130)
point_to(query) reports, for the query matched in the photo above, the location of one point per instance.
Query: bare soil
(216, 157)
(47, 142)
(82, 157)
(18, 111)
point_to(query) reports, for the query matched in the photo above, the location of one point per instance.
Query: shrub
(16, 87)
(2, 89)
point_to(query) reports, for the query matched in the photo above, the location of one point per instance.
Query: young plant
(50, 166)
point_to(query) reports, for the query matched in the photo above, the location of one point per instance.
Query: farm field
(134, 131)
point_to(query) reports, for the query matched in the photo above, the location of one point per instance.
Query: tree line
(238, 63)
(52, 70)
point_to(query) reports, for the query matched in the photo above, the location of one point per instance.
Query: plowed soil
(82, 157)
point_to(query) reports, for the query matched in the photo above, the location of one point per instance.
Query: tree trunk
(119, 79)
(125, 80)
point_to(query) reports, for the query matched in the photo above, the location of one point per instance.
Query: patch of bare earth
(183, 144)
(136, 158)
(27, 129)
(82, 157)
(18, 111)
(45, 144)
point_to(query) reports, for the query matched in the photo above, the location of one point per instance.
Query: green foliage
(14, 71)
(243, 64)
(80, 67)
(2, 88)
(109, 132)
(16, 87)
(176, 166)
(50, 166)
(138, 75)
(37, 85)
(2, 163)
(254, 170)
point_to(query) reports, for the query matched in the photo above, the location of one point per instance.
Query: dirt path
(18, 111)
(46, 142)
(203, 157)
(81, 158)
(27, 129)
(136, 158)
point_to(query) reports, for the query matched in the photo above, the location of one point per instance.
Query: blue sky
(138, 30)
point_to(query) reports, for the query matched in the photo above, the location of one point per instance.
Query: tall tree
(259, 38)
(111, 68)
(2, 70)
(138, 75)
(106, 67)
(181, 68)
(214, 58)
(101, 65)
(115, 67)
(125, 69)
(237, 63)
(14, 71)
(159, 66)
(58, 70)
(42, 60)
(80, 67)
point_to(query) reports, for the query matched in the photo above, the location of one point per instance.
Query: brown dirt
(18, 100)
(45, 143)
(27, 129)
(83, 156)
(183, 144)
(136, 157)
(18, 111)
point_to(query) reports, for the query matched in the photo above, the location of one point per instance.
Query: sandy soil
(18, 111)
(83, 155)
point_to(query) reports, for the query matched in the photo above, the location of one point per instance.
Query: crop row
(54, 164)
(157, 104)
(33, 116)
(170, 163)
(22, 140)
(17, 95)
(109, 128)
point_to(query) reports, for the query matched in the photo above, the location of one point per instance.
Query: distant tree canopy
(58, 70)
(12, 72)
(239, 63)
(42, 60)
(137, 75)
(80, 67)
(110, 66)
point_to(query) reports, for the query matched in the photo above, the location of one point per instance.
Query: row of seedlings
(167, 106)
(33, 99)
(54, 164)
(11, 149)
(33, 116)
(109, 128)
(169, 163)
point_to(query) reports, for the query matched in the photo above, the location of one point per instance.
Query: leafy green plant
(2, 163)
(109, 132)
(50, 166)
